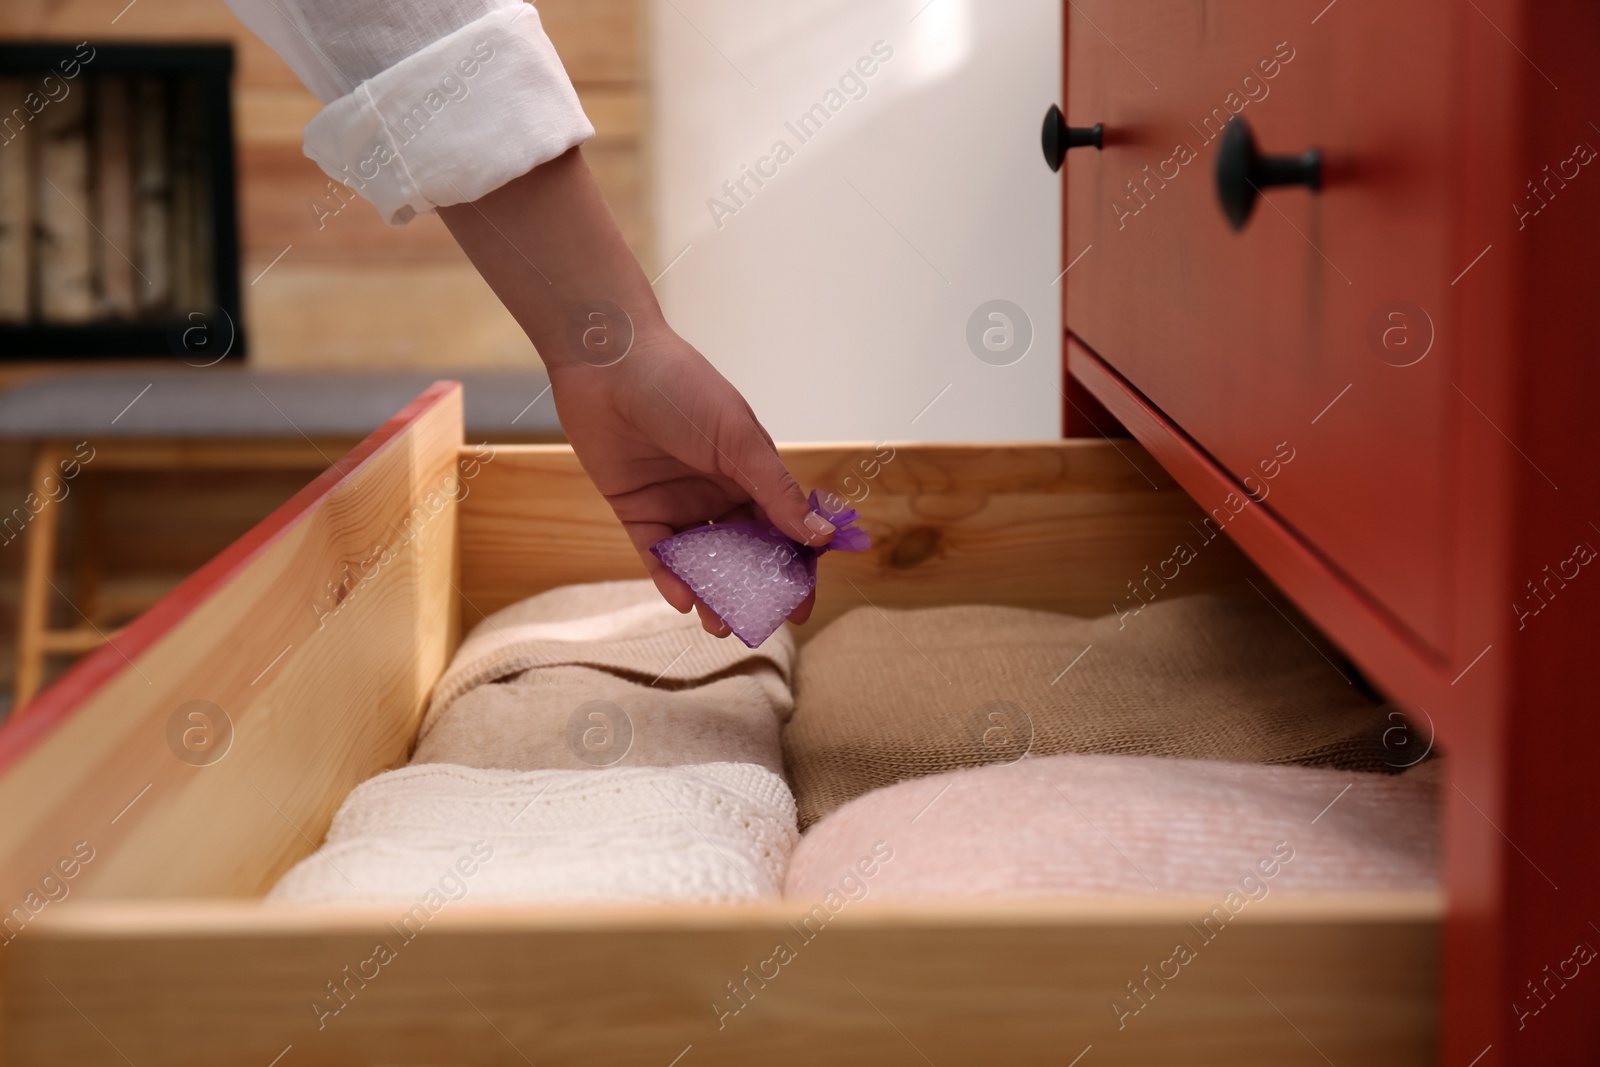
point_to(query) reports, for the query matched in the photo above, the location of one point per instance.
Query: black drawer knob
(1057, 137)
(1242, 172)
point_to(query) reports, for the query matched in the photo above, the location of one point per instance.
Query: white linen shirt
(428, 103)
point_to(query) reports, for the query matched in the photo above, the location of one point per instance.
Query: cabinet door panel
(1320, 331)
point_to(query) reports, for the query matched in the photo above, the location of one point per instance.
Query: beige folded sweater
(601, 675)
(883, 696)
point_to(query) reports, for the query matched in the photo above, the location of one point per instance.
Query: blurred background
(836, 292)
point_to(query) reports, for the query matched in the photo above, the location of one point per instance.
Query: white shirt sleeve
(428, 102)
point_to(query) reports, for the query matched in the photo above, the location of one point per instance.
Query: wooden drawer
(319, 636)
(1324, 330)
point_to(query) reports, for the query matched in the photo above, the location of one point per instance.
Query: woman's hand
(666, 439)
(671, 444)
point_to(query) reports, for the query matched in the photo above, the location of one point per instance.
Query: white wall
(833, 324)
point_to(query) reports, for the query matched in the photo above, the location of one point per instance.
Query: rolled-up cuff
(455, 121)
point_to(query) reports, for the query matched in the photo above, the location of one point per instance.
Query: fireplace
(118, 220)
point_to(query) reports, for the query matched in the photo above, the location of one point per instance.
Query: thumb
(774, 490)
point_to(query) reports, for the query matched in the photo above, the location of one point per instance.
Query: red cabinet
(1324, 329)
(1419, 332)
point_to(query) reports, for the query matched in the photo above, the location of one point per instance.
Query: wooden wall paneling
(288, 200)
(165, 20)
(102, 758)
(337, 316)
(598, 40)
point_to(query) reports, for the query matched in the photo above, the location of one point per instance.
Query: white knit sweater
(714, 832)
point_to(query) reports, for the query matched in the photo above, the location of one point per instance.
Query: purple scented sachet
(752, 575)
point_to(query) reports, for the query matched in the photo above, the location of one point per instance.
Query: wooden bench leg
(39, 547)
(86, 544)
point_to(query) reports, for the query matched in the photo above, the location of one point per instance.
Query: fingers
(680, 596)
(713, 625)
(669, 585)
(755, 461)
(727, 442)
(800, 614)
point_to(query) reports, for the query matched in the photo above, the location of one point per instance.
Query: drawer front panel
(1309, 351)
(958, 984)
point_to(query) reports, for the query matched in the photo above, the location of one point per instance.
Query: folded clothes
(601, 675)
(578, 717)
(1082, 825)
(717, 832)
(883, 696)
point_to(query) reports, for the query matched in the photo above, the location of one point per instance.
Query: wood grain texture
(33, 607)
(1289, 982)
(1062, 526)
(1059, 525)
(286, 199)
(597, 39)
(327, 316)
(319, 699)
(279, 116)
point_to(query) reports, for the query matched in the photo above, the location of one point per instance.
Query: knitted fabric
(883, 696)
(535, 684)
(624, 627)
(1083, 825)
(718, 832)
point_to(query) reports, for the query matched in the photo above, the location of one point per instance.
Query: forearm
(547, 244)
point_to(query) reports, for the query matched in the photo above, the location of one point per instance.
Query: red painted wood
(1392, 656)
(1246, 338)
(1082, 414)
(55, 704)
(1546, 356)
(1509, 674)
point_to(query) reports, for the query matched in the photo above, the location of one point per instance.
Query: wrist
(601, 333)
